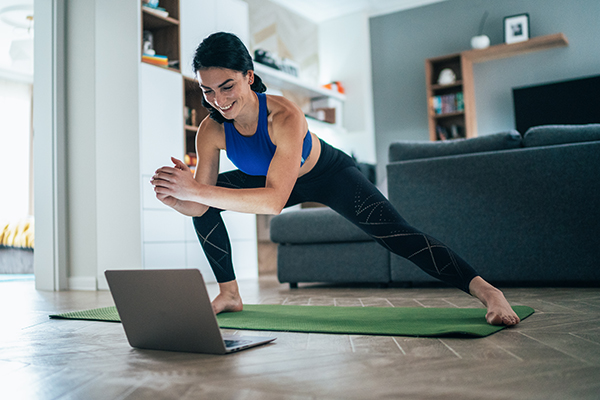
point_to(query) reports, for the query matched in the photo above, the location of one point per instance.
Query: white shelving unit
(284, 81)
(302, 93)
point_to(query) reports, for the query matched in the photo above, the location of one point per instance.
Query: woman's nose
(219, 100)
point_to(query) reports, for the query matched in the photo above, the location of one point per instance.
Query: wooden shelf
(462, 65)
(450, 86)
(510, 50)
(168, 68)
(192, 99)
(449, 115)
(153, 21)
(165, 32)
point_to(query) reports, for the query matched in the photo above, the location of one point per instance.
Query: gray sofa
(520, 210)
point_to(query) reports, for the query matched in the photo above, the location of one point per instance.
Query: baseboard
(83, 283)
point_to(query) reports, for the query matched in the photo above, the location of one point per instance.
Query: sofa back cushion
(547, 135)
(412, 150)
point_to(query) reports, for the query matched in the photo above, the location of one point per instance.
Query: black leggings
(335, 181)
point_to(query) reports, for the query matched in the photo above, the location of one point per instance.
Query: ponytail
(258, 86)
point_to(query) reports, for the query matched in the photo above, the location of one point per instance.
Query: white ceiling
(322, 10)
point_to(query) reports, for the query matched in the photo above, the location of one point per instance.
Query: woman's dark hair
(224, 50)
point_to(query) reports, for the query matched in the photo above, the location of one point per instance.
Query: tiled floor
(554, 354)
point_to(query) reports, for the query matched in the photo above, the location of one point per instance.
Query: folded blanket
(19, 233)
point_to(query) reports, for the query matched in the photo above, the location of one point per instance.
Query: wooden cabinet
(194, 113)
(446, 111)
(163, 26)
(451, 106)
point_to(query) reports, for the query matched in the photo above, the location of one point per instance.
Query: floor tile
(555, 353)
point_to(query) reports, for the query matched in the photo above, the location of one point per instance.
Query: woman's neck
(246, 122)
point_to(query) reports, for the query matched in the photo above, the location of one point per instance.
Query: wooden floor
(554, 354)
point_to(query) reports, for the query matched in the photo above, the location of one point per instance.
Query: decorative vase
(480, 42)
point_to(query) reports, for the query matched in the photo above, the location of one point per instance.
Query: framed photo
(516, 28)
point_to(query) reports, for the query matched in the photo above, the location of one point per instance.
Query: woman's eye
(228, 87)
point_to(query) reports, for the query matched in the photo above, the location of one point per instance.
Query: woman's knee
(206, 214)
(201, 212)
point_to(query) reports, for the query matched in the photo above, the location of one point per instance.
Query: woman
(281, 163)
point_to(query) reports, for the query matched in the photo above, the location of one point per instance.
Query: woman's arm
(207, 170)
(288, 128)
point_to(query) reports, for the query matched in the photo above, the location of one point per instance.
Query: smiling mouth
(226, 108)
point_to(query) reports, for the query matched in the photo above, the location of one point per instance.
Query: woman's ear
(250, 76)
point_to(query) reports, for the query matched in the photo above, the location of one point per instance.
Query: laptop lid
(167, 310)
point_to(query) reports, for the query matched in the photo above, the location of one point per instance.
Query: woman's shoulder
(211, 131)
(285, 118)
(210, 125)
(275, 101)
(280, 108)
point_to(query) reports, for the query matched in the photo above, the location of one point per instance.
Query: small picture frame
(516, 28)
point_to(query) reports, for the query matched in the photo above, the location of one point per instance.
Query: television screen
(568, 102)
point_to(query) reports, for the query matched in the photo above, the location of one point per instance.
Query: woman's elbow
(274, 210)
(276, 207)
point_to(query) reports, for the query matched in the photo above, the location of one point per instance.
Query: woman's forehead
(215, 76)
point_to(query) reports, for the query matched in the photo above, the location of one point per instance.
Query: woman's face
(225, 89)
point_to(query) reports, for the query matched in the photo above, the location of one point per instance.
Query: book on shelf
(162, 61)
(159, 11)
(448, 103)
(460, 102)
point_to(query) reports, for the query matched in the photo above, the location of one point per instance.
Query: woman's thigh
(236, 179)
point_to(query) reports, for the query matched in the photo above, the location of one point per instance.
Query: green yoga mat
(389, 321)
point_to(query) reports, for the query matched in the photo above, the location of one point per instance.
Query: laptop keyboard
(235, 343)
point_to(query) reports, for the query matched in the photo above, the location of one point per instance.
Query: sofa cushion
(333, 262)
(314, 225)
(410, 150)
(547, 135)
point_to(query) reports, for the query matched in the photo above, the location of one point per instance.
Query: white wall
(104, 215)
(50, 261)
(345, 56)
(117, 136)
(81, 152)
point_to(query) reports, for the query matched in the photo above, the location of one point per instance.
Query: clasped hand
(174, 182)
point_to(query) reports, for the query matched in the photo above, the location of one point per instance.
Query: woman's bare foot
(499, 311)
(229, 299)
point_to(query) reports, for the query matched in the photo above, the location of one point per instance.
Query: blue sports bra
(253, 154)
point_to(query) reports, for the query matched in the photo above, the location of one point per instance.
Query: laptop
(171, 310)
